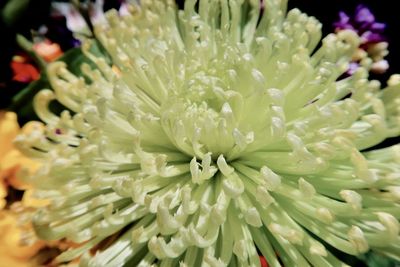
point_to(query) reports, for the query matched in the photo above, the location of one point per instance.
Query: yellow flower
(17, 242)
(13, 251)
(11, 160)
(3, 194)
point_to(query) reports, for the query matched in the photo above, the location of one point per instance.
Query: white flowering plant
(215, 135)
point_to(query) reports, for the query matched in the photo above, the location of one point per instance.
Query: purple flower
(373, 46)
(343, 22)
(363, 15)
(363, 22)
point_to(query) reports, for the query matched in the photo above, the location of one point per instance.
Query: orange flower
(47, 50)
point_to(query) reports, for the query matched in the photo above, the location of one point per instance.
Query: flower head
(18, 243)
(23, 71)
(364, 23)
(95, 10)
(373, 45)
(217, 134)
(12, 162)
(47, 50)
(13, 252)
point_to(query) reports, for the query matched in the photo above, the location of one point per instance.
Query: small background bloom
(384, 11)
(14, 251)
(373, 45)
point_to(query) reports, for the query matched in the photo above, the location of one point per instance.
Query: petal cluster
(220, 133)
(18, 244)
(373, 45)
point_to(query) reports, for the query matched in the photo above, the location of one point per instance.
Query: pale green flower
(218, 134)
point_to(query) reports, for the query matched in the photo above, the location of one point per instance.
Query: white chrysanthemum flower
(221, 132)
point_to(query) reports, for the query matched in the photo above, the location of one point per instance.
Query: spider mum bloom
(219, 134)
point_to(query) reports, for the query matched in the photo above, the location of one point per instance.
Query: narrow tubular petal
(213, 135)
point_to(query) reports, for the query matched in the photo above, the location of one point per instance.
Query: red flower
(23, 71)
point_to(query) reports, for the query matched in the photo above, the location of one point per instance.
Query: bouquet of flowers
(199, 133)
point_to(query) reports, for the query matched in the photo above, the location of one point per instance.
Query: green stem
(27, 46)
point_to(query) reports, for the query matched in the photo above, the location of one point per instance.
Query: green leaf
(28, 47)
(74, 59)
(22, 102)
(13, 11)
(373, 259)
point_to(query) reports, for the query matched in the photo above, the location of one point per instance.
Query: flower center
(204, 128)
